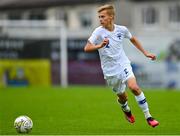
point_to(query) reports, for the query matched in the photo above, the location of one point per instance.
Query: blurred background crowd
(31, 33)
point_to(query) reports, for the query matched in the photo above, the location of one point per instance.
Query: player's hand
(104, 42)
(151, 56)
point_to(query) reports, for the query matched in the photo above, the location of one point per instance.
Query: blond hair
(109, 8)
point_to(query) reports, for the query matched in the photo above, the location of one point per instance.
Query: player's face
(105, 19)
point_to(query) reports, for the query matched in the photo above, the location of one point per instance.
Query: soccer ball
(23, 124)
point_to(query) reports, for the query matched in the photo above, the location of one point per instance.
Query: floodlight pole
(63, 56)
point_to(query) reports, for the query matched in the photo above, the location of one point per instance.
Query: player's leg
(139, 96)
(119, 89)
(141, 100)
(123, 101)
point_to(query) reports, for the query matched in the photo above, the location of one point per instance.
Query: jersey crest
(119, 35)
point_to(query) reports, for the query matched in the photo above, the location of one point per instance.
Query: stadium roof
(22, 4)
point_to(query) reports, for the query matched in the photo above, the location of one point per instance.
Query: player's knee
(134, 88)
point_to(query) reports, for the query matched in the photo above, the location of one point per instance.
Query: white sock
(125, 106)
(141, 100)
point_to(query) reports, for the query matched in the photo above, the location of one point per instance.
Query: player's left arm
(138, 45)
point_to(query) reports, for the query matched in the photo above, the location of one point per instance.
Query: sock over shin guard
(125, 106)
(141, 99)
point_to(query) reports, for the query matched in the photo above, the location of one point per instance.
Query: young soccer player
(107, 39)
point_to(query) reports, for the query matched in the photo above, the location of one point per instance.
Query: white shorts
(118, 82)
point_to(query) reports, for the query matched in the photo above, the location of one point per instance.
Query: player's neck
(110, 27)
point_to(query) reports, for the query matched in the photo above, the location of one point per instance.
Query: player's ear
(112, 17)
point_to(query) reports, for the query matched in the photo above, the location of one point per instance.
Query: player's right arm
(92, 47)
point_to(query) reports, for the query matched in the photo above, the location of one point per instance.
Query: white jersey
(112, 56)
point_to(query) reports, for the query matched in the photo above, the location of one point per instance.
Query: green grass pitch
(85, 110)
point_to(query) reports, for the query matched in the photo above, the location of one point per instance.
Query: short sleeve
(127, 33)
(95, 37)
